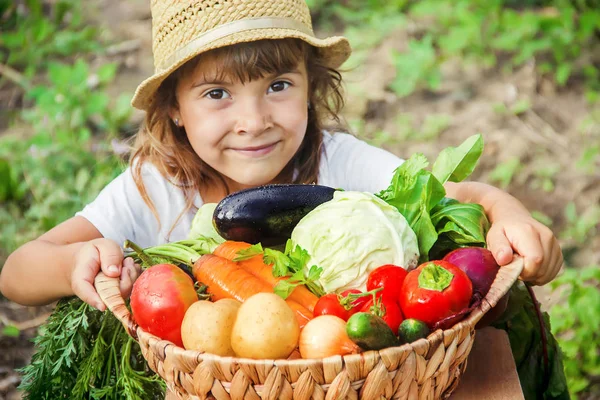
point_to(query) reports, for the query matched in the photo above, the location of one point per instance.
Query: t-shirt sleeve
(119, 211)
(352, 164)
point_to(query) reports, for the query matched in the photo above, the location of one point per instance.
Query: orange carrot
(230, 248)
(303, 315)
(226, 279)
(258, 268)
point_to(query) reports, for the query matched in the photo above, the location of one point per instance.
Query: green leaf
(415, 192)
(248, 253)
(520, 321)
(280, 262)
(563, 72)
(285, 287)
(468, 219)
(11, 331)
(6, 182)
(106, 73)
(435, 277)
(457, 163)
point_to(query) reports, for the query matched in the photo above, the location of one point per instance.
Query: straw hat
(182, 29)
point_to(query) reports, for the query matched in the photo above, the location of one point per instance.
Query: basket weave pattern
(426, 369)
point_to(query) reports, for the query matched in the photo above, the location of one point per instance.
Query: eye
(279, 86)
(217, 94)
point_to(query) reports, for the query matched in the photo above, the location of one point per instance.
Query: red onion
(479, 265)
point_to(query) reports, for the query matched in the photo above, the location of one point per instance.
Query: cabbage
(202, 224)
(351, 235)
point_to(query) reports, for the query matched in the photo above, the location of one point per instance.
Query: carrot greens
(82, 353)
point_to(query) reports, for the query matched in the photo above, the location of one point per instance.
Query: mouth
(256, 151)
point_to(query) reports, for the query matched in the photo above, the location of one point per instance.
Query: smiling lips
(256, 151)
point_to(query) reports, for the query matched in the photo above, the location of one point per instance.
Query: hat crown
(176, 23)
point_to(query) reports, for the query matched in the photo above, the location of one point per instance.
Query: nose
(253, 117)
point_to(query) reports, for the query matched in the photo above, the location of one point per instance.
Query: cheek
(294, 118)
(205, 133)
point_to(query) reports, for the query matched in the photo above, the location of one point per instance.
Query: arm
(513, 230)
(62, 262)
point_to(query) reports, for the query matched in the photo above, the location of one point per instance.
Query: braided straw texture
(176, 23)
(429, 368)
(182, 29)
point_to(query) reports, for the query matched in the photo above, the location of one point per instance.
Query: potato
(207, 326)
(265, 328)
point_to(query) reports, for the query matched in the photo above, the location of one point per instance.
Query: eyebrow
(210, 82)
(214, 81)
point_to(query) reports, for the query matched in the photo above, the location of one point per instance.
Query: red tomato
(388, 309)
(389, 277)
(434, 291)
(330, 305)
(342, 305)
(393, 315)
(358, 302)
(159, 299)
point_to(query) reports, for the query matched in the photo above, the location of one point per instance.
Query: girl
(240, 98)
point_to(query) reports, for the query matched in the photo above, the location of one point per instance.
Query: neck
(216, 192)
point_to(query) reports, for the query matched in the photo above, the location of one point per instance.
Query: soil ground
(549, 135)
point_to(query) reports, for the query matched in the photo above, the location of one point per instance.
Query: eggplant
(267, 214)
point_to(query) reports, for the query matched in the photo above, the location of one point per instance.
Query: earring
(176, 121)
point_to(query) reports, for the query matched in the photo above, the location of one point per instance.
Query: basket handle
(506, 277)
(108, 289)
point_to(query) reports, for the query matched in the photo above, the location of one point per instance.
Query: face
(248, 132)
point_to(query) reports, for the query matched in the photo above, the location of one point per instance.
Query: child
(240, 98)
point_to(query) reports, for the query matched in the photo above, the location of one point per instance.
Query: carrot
(230, 248)
(303, 315)
(226, 279)
(258, 268)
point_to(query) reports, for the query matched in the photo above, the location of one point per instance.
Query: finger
(125, 283)
(135, 270)
(551, 255)
(526, 242)
(128, 277)
(82, 280)
(555, 263)
(499, 245)
(111, 257)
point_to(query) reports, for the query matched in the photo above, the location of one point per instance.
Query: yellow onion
(326, 336)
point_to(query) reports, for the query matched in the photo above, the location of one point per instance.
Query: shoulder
(334, 141)
(352, 164)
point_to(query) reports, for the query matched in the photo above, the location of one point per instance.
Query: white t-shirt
(120, 213)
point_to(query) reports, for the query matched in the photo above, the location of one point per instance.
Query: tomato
(388, 309)
(159, 299)
(329, 304)
(434, 291)
(344, 305)
(389, 277)
(355, 302)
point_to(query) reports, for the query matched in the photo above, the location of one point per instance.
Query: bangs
(244, 62)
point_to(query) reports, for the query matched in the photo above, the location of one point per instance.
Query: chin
(256, 177)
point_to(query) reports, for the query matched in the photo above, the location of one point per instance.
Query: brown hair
(166, 146)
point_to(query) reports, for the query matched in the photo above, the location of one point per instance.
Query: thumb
(499, 245)
(111, 257)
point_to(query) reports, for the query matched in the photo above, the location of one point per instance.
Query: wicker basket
(426, 369)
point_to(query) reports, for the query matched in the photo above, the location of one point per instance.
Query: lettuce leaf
(441, 224)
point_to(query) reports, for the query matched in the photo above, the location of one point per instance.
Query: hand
(534, 241)
(105, 255)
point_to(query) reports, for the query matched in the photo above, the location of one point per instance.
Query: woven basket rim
(507, 275)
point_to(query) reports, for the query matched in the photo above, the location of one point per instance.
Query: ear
(175, 116)
(174, 113)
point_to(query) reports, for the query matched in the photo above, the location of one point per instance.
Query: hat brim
(334, 51)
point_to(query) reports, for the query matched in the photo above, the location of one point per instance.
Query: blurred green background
(424, 75)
